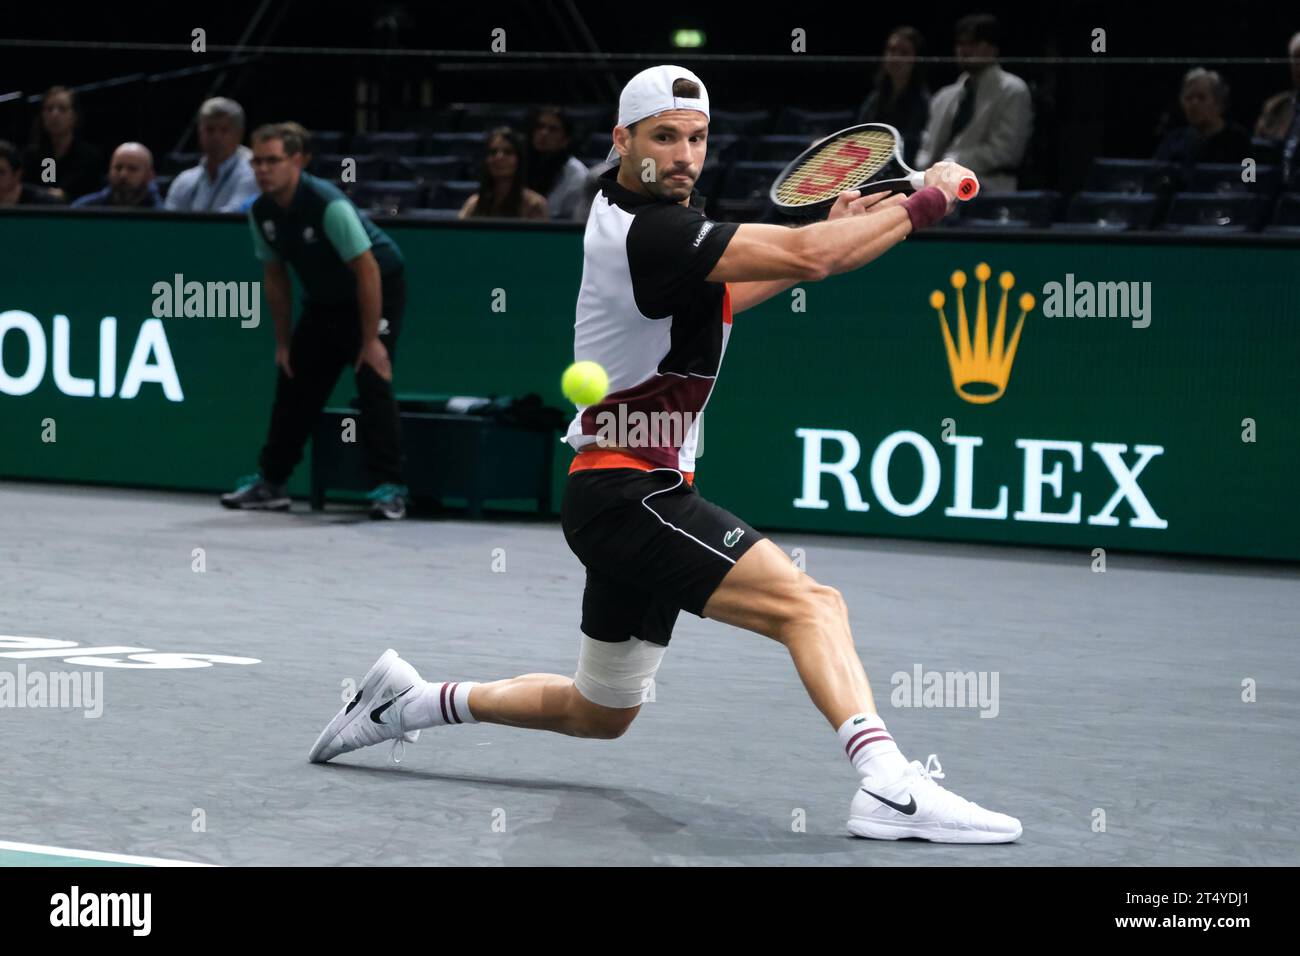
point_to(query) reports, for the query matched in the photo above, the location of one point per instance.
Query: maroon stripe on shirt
(869, 740)
(676, 394)
(442, 701)
(452, 695)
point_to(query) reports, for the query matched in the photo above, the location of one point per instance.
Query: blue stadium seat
(743, 196)
(739, 122)
(330, 166)
(710, 178)
(1226, 177)
(451, 193)
(591, 119)
(433, 215)
(1019, 210)
(780, 147)
(427, 168)
(387, 197)
(1101, 211)
(741, 210)
(596, 143)
(1286, 214)
(388, 145)
(813, 123)
(481, 117)
(444, 120)
(327, 141)
(465, 145)
(1214, 212)
(174, 163)
(1129, 176)
(748, 179)
(727, 147)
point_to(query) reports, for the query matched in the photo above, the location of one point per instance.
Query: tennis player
(660, 286)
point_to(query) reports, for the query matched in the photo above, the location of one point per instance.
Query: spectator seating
(174, 162)
(327, 141)
(1213, 212)
(1227, 177)
(330, 166)
(1019, 210)
(387, 197)
(1286, 216)
(451, 193)
(812, 124)
(1129, 176)
(1119, 211)
(780, 147)
(388, 145)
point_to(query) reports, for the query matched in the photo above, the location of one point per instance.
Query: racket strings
(844, 162)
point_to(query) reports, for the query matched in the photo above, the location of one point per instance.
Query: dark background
(1100, 107)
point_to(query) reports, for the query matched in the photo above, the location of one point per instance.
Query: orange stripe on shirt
(613, 458)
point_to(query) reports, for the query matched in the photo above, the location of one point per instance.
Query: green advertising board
(846, 406)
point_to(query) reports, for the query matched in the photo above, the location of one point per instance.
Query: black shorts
(651, 545)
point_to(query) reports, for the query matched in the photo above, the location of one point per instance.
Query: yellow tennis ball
(584, 383)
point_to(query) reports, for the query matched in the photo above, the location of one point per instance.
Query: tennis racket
(867, 157)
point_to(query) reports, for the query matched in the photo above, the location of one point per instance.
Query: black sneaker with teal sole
(388, 501)
(256, 493)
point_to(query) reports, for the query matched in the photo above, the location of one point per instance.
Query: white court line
(94, 855)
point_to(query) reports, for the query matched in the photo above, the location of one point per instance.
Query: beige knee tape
(617, 675)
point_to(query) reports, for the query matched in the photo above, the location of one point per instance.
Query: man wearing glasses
(354, 294)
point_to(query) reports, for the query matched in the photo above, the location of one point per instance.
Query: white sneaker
(915, 806)
(374, 714)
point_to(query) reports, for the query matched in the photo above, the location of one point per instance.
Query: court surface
(1117, 694)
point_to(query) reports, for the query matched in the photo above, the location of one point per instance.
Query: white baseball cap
(650, 93)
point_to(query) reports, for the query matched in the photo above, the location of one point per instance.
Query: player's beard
(674, 189)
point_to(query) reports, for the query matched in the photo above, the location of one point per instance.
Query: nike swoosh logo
(378, 712)
(909, 808)
(860, 720)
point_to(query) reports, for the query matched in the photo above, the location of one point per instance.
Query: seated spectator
(1279, 121)
(982, 121)
(501, 190)
(223, 180)
(13, 191)
(900, 96)
(553, 171)
(1207, 137)
(78, 166)
(130, 181)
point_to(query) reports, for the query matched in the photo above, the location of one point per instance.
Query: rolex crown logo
(980, 367)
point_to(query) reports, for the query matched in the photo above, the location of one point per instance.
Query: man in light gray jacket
(223, 180)
(982, 121)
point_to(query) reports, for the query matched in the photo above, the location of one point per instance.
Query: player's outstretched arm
(760, 252)
(746, 295)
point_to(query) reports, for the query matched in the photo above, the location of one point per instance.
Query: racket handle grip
(967, 189)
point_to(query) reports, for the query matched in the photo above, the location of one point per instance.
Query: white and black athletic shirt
(647, 315)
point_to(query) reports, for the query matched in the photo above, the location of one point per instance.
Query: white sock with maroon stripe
(439, 703)
(870, 748)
